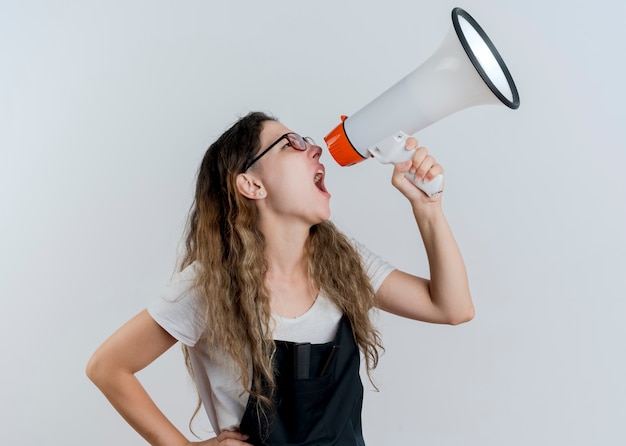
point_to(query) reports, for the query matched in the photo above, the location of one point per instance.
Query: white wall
(107, 107)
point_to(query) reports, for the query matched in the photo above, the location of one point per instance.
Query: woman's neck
(285, 248)
(292, 292)
(286, 256)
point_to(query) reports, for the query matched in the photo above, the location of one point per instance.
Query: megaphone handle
(392, 150)
(432, 188)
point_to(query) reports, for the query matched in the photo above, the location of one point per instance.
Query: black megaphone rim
(459, 12)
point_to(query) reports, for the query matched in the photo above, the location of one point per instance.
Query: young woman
(272, 302)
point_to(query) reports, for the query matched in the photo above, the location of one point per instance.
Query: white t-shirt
(216, 376)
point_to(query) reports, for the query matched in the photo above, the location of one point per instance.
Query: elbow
(96, 369)
(462, 319)
(463, 316)
(91, 370)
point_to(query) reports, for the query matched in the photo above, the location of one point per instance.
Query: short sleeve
(375, 267)
(177, 309)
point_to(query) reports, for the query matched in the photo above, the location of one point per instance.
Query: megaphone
(466, 70)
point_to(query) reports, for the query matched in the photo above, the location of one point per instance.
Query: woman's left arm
(445, 298)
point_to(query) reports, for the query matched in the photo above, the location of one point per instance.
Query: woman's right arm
(112, 369)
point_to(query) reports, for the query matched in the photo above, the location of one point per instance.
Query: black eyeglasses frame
(297, 142)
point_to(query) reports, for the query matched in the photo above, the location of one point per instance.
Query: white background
(106, 109)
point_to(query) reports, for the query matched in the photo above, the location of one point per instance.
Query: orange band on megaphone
(340, 147)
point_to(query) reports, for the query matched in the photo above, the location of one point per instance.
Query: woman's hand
(425, 168)
(226, 438)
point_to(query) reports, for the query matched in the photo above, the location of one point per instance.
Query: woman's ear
(250, 187)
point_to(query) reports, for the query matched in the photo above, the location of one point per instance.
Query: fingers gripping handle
(392, 150)
(431, 188)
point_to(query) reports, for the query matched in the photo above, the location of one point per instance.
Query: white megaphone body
(466, 70)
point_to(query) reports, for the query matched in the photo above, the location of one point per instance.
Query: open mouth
(318, 180)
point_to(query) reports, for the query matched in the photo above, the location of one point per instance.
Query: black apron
(318, 396)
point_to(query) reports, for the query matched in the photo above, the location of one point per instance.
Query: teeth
(318, 176)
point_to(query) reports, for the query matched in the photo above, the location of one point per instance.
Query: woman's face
(292, 180)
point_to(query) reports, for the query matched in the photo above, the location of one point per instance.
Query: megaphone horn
(465, 70)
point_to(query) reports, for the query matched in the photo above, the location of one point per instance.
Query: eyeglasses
(296, 142)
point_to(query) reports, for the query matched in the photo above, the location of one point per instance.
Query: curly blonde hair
(223, 237)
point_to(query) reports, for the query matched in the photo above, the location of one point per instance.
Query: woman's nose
(315, 151)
